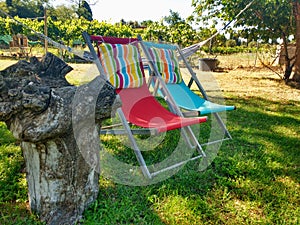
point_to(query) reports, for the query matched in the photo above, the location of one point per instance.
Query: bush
(230, 43)
(252, 44)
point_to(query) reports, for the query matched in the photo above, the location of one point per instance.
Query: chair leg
(190, 133)
(135, 147)
(223, 126)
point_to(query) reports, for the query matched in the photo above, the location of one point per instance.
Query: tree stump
(58, 127)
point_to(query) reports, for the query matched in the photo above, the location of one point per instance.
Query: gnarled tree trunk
(58, 127)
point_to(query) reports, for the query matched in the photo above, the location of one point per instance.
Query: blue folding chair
(163, 61)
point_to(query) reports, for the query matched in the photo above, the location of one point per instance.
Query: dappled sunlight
(285, 131)
(259, 83)
(106, 183)
(245, 209)
(82, 73)
(6, 63)
(275, 165)
(234, 209)
(182, 207)
(289, 182)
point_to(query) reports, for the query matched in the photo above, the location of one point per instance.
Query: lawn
(255, 178)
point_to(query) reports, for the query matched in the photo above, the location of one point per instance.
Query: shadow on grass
(254, 179)
(268, 133)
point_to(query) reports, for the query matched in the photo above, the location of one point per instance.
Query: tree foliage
(26, 8)
(64, 30)
(62, 12)
(172, 29)
(264, 20)
(82, 8)
(84, 11)
(64, 25)
(173, 19)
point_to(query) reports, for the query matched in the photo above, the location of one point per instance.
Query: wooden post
(45, 29)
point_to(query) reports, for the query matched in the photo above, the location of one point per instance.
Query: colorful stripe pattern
(121, 64)
(167, 64)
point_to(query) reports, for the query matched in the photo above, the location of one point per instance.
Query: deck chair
(164, 63)
(119, 61)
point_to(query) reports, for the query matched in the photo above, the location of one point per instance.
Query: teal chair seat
(188, 100)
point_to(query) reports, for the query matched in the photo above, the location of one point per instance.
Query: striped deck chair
(119, 61)
(164, 63)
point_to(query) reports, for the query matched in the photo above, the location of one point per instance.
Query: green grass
(255, 179)
(13, 187)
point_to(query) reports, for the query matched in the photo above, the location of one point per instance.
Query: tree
(296, 12)
(8, 3)
(62, 13)
(83, 8)
(177, 30)
(263, 20)
(182, 33)
(173, 19)
(3, 6)
(206, 33)
(26, 8)
(84, 11)
(146, 23)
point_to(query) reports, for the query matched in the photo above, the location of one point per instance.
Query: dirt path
(259, 82)
(6, 63)
(244, 82)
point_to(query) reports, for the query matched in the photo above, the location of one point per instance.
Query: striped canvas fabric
(167, 64)
(121, 64)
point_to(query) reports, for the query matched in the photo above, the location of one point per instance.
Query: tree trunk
(58, 127)
(288, 65)
(296, 11)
